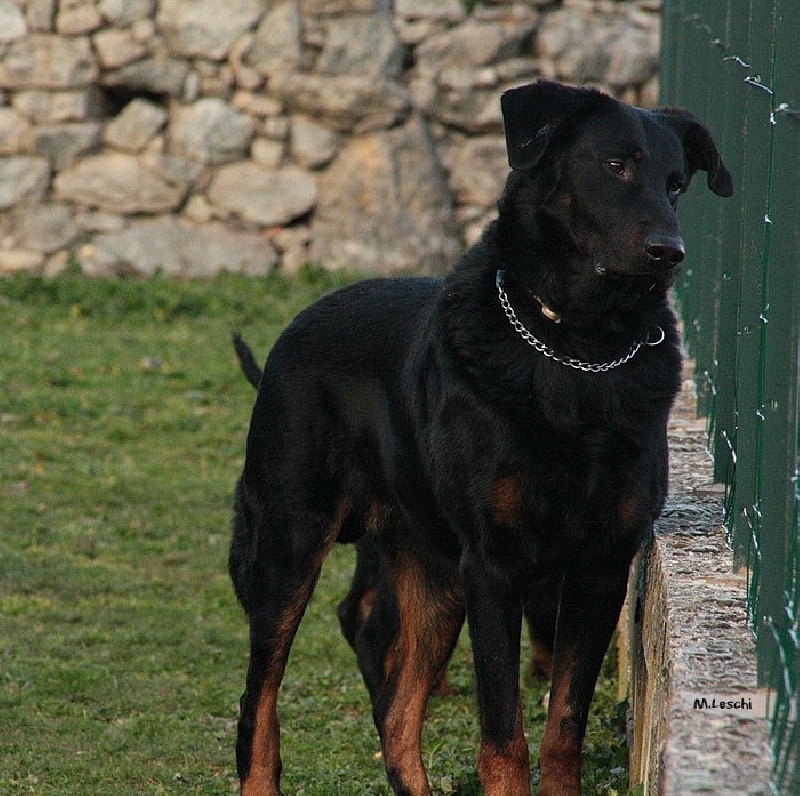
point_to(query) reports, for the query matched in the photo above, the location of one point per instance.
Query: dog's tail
(247, 361)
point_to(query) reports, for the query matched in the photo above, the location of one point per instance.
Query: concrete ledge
(687, 636)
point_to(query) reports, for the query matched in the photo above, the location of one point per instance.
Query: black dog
(500, 433)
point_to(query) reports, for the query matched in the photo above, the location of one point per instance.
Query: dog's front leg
(494, 613)
(588, 612)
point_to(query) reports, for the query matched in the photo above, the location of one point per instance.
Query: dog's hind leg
(402, 649)
(354, 609)
(285, 571)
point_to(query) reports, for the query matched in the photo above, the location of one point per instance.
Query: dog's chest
(601, 483)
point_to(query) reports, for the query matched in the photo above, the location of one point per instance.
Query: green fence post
(723, 430)
(777, 597)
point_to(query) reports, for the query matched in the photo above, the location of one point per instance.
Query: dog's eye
(616, 167)
(675, 187)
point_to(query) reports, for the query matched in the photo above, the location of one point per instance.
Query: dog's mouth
(644, 271)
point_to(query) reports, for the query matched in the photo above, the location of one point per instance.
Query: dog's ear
(701, 151)
(532, 114)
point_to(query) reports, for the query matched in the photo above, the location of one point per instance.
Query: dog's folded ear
(533, 113)
(700, 149)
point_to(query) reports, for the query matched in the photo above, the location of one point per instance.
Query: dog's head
(608, 176)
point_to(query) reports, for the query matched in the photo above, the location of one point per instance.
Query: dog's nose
(665, 248)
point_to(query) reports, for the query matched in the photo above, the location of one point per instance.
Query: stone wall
(194, 135)
(689, 636)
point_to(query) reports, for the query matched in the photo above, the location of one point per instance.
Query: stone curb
(688, 636)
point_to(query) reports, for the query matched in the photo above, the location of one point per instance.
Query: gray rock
(22, 179)
(179, 247)
(46, 107)
(117, 183)
(336, 8)
(312, 144)
(449, 10)
(294, 244)
(634, 58)
(77, 16)
(159, 75)
(518, 70)
(478, 171)
(580, 47)
(477, 43)
(123, 12)
(47, 228)
(174, 169)
(47, 62)
(277, 45)
(568, 49)
(263, 196)
(15, 260)
(64, 143)
(210, 131)
(268, 153)
(15, 132)
(384, 205)
(95, 221)
(342, 102)
(135, 125)
(244, 76)
(201, 28)
(39, 15)
(362, 45)
(256, 104)
(473, 108)
(12, 22)
(116, 48)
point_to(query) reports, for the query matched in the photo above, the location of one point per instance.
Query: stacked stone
(194, 136)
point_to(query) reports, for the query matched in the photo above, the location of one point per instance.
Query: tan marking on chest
(508, 492)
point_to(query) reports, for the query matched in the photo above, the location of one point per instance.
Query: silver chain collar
(571, 362)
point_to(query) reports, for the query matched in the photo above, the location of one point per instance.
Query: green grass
(122, 650)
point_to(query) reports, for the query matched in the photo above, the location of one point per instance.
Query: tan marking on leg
(507, 494)
(428, 624)
(265, 761)
(375, 516)
(365, 604)
(560, 750)
(265, 764)
(541, 659)
(442, 687)
(506, 771)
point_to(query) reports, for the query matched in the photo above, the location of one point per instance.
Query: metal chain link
(571, 362)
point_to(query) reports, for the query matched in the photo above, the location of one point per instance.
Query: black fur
(246, 359)
(487, 475)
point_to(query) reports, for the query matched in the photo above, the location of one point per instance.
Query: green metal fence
(735, 63)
